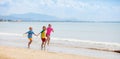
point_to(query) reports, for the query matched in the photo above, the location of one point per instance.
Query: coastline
(24, 53)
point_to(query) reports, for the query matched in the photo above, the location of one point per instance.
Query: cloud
(79, 9)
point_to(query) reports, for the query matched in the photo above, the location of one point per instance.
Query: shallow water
(102, 32)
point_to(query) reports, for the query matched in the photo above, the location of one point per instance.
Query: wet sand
(24, 53)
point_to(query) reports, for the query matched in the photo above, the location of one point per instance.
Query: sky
(97, 10)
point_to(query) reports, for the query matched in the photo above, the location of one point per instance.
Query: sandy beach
(24, 53)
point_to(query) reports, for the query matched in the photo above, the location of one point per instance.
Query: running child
(43, 37)
(49, 29)
(30, 33)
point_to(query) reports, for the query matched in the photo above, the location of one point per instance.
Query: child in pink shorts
(49, 30)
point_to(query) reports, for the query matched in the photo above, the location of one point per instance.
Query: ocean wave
(10, 34)
(110, 46)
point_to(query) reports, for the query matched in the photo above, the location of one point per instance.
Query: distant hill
(42, 17)
(31, 16)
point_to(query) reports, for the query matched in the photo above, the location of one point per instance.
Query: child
(49, 29)
(43, 37)
(30, 32)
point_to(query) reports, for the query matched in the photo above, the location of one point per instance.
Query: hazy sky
(74, 9)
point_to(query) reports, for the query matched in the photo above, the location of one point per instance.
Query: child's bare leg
(48, 40)
(29, 43)
(42, 45)
(45, 42)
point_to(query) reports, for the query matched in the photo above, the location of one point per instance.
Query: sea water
(73, 35)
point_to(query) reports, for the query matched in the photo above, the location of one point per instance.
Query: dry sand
(24, 53)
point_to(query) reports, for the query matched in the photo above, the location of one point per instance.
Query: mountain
(30, 17)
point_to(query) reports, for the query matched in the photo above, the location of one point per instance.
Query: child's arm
(38, 33)
(26, 33)
(35, 34)
(52, 30)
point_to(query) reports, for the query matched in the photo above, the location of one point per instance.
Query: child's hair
(44, 27)
(30, 28)
(49, 25)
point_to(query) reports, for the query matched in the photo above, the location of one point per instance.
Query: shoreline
(59, 48)
(93, 48)
(24, 53)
